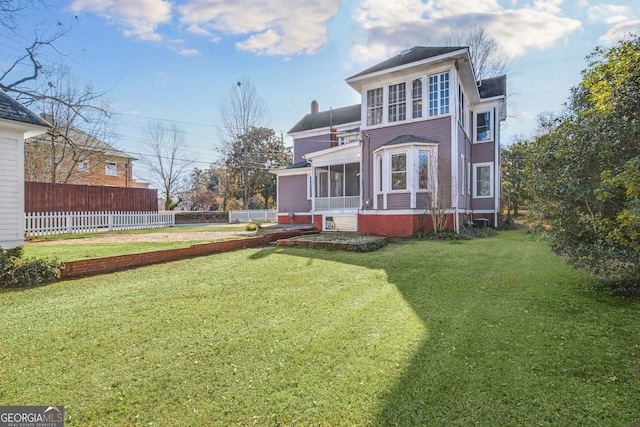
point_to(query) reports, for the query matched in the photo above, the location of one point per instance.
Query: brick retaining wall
(88, 267)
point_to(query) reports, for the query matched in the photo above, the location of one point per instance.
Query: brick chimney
(314, 106)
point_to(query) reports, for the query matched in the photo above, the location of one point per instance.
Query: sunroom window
(439, 94)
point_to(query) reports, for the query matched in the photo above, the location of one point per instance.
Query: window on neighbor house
(483, 182)
(398, 171)
(83, 165)
(416, 96)
(483, 127)
(398, 102)
(439, 94)
(111, 169)
(374, 107)
(423, 170)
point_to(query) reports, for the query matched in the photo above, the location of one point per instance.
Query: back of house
(421, 150)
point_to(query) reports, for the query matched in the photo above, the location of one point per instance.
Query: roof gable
(10, 109)
(415, 54)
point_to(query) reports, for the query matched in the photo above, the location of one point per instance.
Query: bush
(16, 272)
(253, 226)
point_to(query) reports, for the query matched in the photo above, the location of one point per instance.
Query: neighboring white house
(16, 124)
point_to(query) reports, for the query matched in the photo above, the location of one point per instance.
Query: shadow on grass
(515, 336)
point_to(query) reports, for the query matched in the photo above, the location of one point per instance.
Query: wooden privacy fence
(253, 215)
(48, 197)
(42, 224)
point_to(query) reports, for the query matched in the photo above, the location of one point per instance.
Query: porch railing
(328, 203)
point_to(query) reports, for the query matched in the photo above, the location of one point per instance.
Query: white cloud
(271, 27)
(140, 18)
(609, 13)
(404, 23)
(188, 52)
(620, 31)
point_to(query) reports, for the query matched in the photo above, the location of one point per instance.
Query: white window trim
(492, 126)
(475, 180)
(408, 81)
(440, 105)
(412, 152)
(83, 165)
(107, 171)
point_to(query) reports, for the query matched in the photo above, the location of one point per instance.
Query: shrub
(16, 272)
(253, 226)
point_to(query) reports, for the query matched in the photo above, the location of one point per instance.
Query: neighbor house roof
(415, 54)
(87, 142)
(10, 109)
(492, 87)
(325, 119)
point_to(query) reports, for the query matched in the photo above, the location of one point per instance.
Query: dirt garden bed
(333, 241)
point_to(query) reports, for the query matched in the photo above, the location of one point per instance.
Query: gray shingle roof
(10, 109)
(405, 139)
(494, 86)
(324, 119)
(415, 54)
(299, 165)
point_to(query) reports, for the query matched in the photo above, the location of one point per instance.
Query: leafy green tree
(584, 172)
(513, 175)
(248, 161)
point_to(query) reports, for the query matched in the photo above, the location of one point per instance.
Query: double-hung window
(374, 107)
(484, 132)
(398, 102)
(439, 94)
(399, 171)
(416, 96)
(483, 180)
(111, 169)
(83, 165)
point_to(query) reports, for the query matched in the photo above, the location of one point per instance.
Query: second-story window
(439, 94)
(398, 102)
(111, 169)
(416, 96)
(374, 107)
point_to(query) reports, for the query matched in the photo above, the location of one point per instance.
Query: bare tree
(487, 58)
(77, 132)
(166, 159)
(241, 110)
(17, 75)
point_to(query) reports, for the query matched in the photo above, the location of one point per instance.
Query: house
(16, 124)
(422, 146)
(72, 156)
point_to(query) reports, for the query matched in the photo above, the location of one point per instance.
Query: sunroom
(336, 185)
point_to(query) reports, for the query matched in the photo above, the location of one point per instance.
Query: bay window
(399, 171)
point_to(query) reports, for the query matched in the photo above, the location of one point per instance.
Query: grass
(182, 229)
(97, 250)
(484, 332)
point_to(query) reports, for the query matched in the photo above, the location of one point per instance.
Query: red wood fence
(47, 197)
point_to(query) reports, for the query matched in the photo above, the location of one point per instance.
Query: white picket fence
(42, 224)
(253, 215)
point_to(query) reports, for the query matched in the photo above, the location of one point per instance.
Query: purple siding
(398, 200)
(302, 146)
(292, 194)
(483, 204)
(464, 147)
(436, 129)
(483, 152)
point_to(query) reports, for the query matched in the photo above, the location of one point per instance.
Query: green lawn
(488, 332)
(98, 250)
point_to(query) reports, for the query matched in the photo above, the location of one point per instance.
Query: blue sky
(176, 60)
